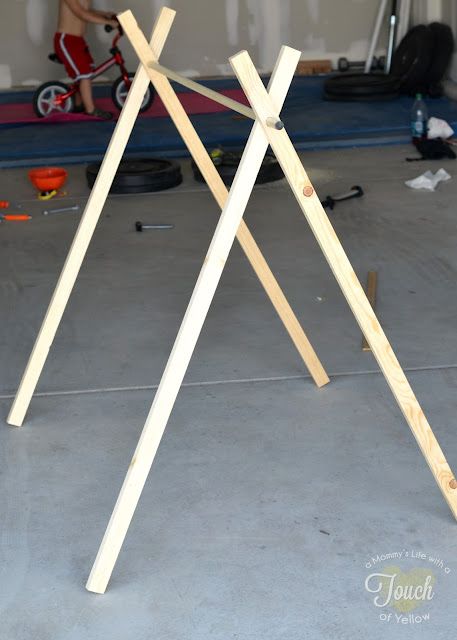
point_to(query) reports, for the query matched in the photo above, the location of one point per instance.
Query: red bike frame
(116, 58)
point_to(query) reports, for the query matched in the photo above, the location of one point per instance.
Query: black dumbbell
(344, 64)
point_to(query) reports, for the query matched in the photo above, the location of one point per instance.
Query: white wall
(205, 34)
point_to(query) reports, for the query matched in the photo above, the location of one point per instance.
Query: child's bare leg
(85, 88)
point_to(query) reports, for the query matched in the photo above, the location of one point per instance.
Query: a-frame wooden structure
(267, 130)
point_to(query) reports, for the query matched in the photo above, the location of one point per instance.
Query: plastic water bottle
(419, 119)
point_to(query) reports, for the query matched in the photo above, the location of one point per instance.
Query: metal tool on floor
(6, 204)
(15, 217)
(48, 212)
(139, 226)
(330, 201)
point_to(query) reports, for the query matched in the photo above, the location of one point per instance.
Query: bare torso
(68, 22)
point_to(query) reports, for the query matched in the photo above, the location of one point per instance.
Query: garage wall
(205, 34)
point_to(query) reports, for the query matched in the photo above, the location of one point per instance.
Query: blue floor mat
(311, 122)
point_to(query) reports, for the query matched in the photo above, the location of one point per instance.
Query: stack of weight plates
(141, 175)
(356, 87)
(418, 65)
(227, 162)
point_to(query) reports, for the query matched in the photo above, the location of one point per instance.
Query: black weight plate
(360, 84)
(269, 171)
(442, 53)
(140, 175)
(412, 59)
(361, 98)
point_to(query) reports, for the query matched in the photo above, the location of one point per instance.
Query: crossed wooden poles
(268, 129)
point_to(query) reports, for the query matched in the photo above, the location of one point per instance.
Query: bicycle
(57, 97)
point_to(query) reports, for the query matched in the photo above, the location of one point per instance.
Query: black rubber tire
(412, 60)
(117, 88)
(363, 86)
(38, 96)
(443, 49)
(269, 171)
(141, 175)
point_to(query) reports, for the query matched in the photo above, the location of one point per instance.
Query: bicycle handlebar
(109, 28)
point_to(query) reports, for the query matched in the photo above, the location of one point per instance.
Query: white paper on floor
(428, 180)
(438, 128)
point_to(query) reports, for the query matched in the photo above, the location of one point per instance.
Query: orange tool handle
(17, 218)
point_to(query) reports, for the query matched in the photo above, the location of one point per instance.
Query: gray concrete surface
(268, 497)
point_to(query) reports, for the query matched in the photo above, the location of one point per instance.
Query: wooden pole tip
(275, 123)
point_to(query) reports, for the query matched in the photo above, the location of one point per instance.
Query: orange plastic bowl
(48, 178)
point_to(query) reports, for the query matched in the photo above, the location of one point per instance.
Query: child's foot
(99, 113)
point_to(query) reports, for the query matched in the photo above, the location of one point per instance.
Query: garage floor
(270, 502)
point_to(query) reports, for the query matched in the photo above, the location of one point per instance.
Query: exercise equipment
(418, 66)
(140, 175)
(345, 65)
(361, 86)
(265, 109)
(227, 166)
(395, 34)
(329, 202)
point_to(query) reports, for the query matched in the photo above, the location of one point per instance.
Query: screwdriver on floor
(15, 217)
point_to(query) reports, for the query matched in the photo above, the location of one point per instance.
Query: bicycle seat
(53, 57)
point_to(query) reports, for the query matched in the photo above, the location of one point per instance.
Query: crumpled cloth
(438, 128)
(428, 180)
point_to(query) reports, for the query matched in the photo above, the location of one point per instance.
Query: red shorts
(75, 55)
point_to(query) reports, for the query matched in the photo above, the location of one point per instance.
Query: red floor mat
(192, 102)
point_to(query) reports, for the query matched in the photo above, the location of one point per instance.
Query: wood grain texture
(87, 226)
(189, 331)
(346, 277)
(220, 193)
(372, 285)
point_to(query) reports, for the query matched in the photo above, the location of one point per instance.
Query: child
(72, 49)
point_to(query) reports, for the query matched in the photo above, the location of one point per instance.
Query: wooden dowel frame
(372, 285)
(87, 226)
(202, 90)
(266, 112)
(344, 273)
(266, 106)
(97, 200)
(189, 331)
(220, 193)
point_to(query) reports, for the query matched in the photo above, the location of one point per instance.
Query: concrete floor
(268, 497)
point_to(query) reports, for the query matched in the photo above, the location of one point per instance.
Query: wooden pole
(202, 90)
(87, 226)
(188, 333)
(220, 193)
(342, 269)
(372, 285)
